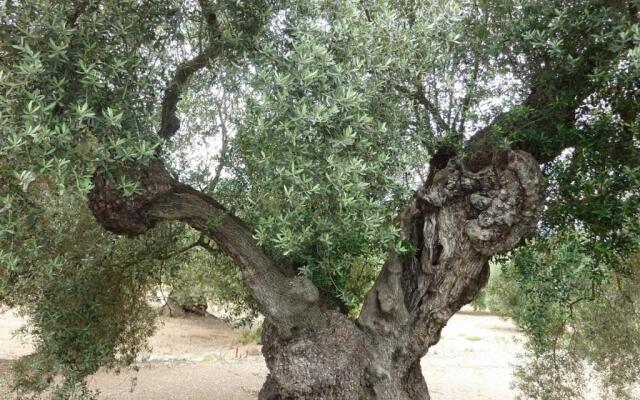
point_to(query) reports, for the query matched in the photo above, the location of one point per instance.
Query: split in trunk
(465, 213)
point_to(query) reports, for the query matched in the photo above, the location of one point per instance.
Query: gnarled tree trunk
(466, 212)
(463, 215)
(338, 360)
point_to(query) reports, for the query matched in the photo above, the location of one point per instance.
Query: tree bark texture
(466, 212)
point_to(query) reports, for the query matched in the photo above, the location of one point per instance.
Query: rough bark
(338, 361)
(462, 216)
(324, 362)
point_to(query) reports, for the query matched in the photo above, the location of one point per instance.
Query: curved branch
(287, 302)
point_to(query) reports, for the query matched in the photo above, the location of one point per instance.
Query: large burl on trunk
(467, 211)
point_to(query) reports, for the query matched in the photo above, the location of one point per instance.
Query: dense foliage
(85, 293)
(583, 331)
(323, 115)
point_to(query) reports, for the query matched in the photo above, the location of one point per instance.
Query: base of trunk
(324, 363)
(336, 362)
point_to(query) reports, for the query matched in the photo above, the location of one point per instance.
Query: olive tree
(376, 155)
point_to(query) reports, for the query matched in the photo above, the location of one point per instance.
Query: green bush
(253, 335)
(580, 318)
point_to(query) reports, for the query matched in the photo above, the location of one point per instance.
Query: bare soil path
(197, 358)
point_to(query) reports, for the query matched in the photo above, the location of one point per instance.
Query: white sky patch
(198, 145)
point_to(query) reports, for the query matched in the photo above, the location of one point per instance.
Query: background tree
(331, 114)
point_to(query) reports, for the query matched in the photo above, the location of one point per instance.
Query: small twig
(420, 96)
(179, 251)
(466, 102)
(222, 110)
(366, 11)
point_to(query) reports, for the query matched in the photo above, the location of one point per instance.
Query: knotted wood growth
(459, 219)
(126, 215)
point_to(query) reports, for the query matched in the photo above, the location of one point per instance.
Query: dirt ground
(202, 358)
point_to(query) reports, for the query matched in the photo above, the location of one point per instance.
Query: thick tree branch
(467, 211)
(457, 222)
(472, 208)
(286, 302)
